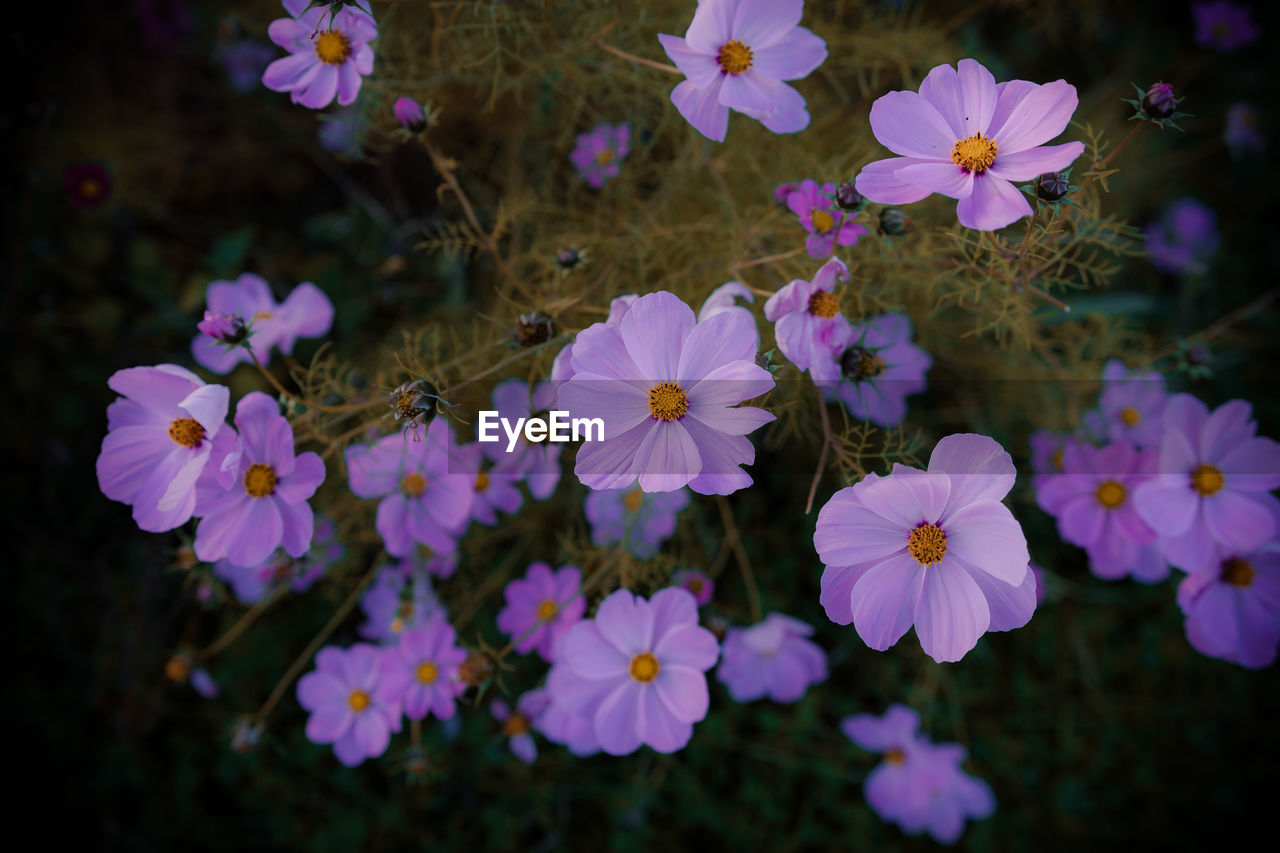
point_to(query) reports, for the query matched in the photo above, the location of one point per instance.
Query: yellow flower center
(860, 365)
(333, 47)
(1207, 480)
(516, 724)
(262, 315)
(927, 544)
(547, 609)
(974, 153)
(895, 756)
(1056, 459)
(1130, 416)
(735, 57)
(413, 484)
(397, 625)
(90, 188)
(693, 585)
(187, 432)
(358, 700)
(644, 667)
(177, 668)
(605, 157)
(667, 401)
(426, 673)
(1111, 494)
(822, 221)
(482, 481)
(1237, 572)
(824, 304)
(260, 480)
(632, 499)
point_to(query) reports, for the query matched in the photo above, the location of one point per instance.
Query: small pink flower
(519, 724)
(421, 671)
(808, 325)
(773, 658)
(600, 152)
(1233, 608)
(699, 584)
(541, 608)
(305, 313)
(827, 224)
(351, 706)
(410, 114)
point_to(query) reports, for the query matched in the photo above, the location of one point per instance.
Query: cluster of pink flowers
(1154, 480)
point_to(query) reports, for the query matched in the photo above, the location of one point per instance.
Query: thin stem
(822, 457)
(505, 362)
(639, 60)
(295, 668)
(767, 259)
(740, 551)
(246, 619)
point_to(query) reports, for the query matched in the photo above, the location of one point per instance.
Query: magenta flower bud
(847, 196)
(1052, 186)
(227, 328)
(410, 114)
(1159, 101)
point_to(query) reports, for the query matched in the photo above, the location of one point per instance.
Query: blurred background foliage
(1095, 724)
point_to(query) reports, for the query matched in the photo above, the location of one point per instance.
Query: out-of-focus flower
(518, 724)
(161, 433)
(967, 137)
(251, 583)
(1092, 500)
(202, 682)
(537, 463)
(808, 325)
(827, 224)
(699, 584)
(665, 387)
(772, 658)
(1160, 101)
(932, 548)
(1233, 608)
(244, 61)
(1224, 26)
(1184, 239)
(342, 131)
(425, 488)
(87, 185)
(600, 152)
(224, 328)
(541, 608)
(351, 705)
(637, 670)
(305, 313)
(421, 671)
(256, 500)
(1241, 133)
(644, 519)
(410, 114)
(1132, 404)
(399, 599)
(322, 63)
(735, 55)
(877, 368)
(1213, 484)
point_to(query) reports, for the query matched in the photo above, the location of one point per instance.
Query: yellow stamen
(1130, 416)
(516, 724)
(426, 673)
(644, 667)
(333, 47)
(1238, 572)
(895, 756)
(824, 304)
(413, 484)
(822, 221)
(1207, 480)
(358, 700)
(187, 432)
(546, 610)
(974, 153)
(260, 480)
(927, 544)
(667, 401)
(605, 157)
(482, 481)
(1111, 494)
(734, 57)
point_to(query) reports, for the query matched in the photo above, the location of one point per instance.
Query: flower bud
(782, 191)
(223, 327)
(1052, 186)
(178, 668)
(477, 669)
(894, 222)
(245, 735)
(414, 401)
(567, 258)
(847, 196)
(1159, 101)
(532, 329)
(410, 115)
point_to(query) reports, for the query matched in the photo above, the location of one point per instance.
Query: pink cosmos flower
(1224, 26)
(1241, 133)
(735, 54)
(772, 658)
(410, 114)
(570, 730)
(637, 671)
(305, 313)
(1233, 608)
(160, 434)
(600, 152)
(425, 486)
(1047, 450)
(518, 725)
(932, 548)
(1092, 499)
(328, 54)
(562, 367)
(919, 785)
(877, 368)
(541, 608)
(664, 387)
(1132, 404)
(724, 298)
(496, 490)
(699, 584)
(251, 583)
(421, 671)
(399, 599)
(539, 463)
(255, 499)
(351, 706)
(827, 224)
(967, 137)
(1213, 485)
(809, 328)
(644, 520)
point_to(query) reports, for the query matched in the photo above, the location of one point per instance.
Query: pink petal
(907, 124)
(993, 204)
(654, 332)
(701, 68)
(952, 613)
(1026, 165)
(702, 108)
(985, 535)
(792, 58)
(879, 183)
(667, 458)
(946, 178)
(1041, 115)
(884, 600)
(710, 28)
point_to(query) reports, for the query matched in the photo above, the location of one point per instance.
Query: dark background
(1096, 724)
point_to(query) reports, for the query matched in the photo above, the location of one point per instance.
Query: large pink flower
(932, 548)
(967, 137)
(329, 54)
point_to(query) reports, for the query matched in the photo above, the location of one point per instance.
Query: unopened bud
(894, 222)
(847, 196)
(1052, 186)
(1159, 101)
